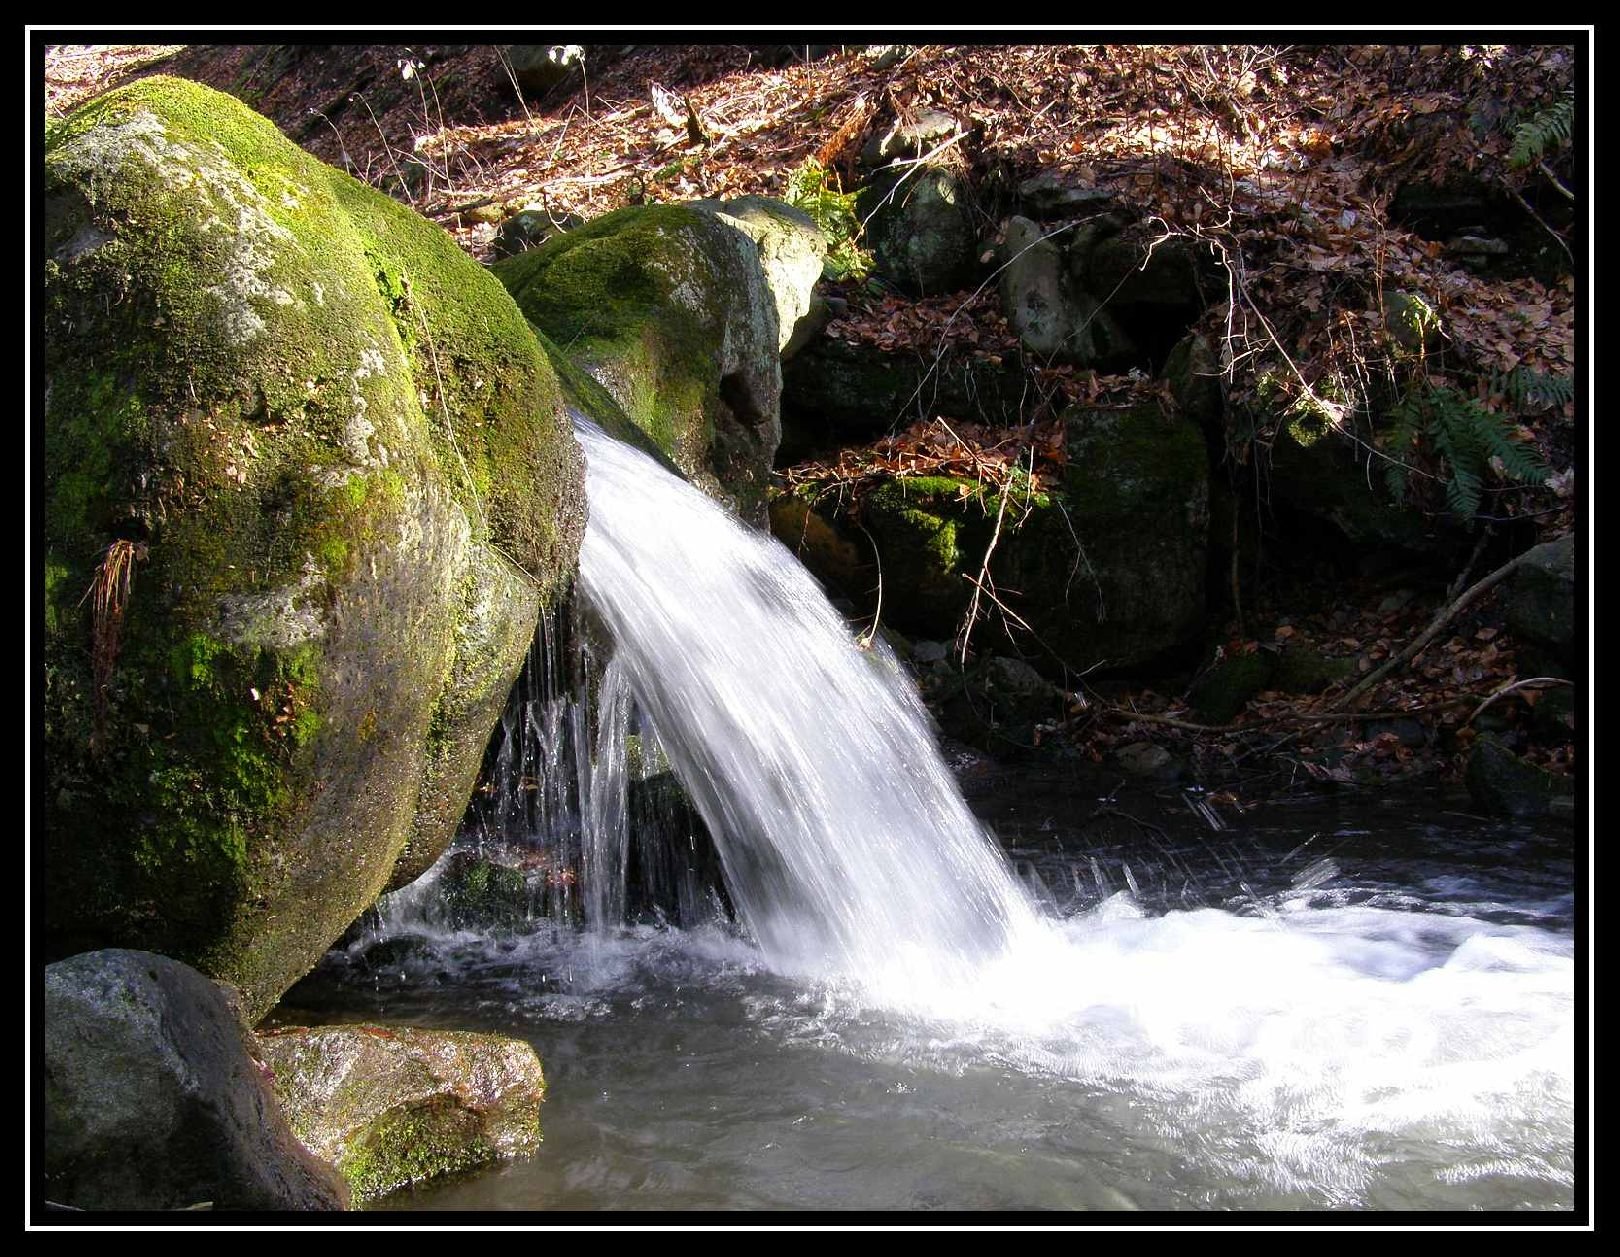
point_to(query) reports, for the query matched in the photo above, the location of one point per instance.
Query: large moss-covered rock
(154, 1098)
(1107, 568)
(395, 1105)
(668, 307)
(307, 484)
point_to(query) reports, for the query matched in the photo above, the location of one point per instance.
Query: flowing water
(1136, 1011)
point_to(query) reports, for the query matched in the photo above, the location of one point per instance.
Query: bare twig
(1539, 683)
(1443, 618)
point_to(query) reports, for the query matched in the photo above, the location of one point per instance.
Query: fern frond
(1549, 129)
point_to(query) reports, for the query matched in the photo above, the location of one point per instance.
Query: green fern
(1465, 437)
(1548, 129)
(814, 189)
(1526, 389)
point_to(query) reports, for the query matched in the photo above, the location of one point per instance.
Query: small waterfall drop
(848, 849)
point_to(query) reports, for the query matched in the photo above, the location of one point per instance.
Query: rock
(1323, 475)
(1408, 731)
(1541, 605)
(791, 251)
(322, 463)
(1051, 318)
(1171, 278)
(998, 703)
(1500, 782)
(834, 393)
(528, 228)
(154, 1098)
(1108, 570)
(1410, 320)
(1143, 759)
(1197, 382)
(1303, 669)
(395, 1105)
(1053, 192)
(540, 67)
(909, 137)
(919, 229)
(886, 56)
(669, 309)
(1225, 690)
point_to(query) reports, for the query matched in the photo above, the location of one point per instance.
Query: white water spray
(848, 848)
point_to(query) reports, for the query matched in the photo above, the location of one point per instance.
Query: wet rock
(394, 1105)
(1500, 782)
(1143, 759)
(154, 1098)
(325, 462)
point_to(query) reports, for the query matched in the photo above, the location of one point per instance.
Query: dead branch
(1443, 618)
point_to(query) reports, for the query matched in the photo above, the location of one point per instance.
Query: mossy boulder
(1501, 782)
(396, 1105)
(307, 483)
(1225, 690)
(668, 307)
(1107, 567)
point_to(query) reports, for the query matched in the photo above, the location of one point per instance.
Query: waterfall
(848, 849)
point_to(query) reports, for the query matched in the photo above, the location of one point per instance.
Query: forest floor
(1286, 158)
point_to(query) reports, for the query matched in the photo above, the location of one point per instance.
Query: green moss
(411, 1145)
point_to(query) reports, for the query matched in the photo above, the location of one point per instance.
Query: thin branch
(1539, 683)
(1443, 618)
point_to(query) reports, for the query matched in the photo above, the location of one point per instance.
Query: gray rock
(1143, 759)
(1541, 604)
(1051, 318)
(154, 1098)
(920, 229)
(1197, 381)
(912, 137)
(395, 1105)
(791, 251)
(1052, 192)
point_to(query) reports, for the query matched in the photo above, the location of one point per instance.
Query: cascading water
(848, 848)
(1281, 1033)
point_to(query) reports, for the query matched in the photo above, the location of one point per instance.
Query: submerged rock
(394, 1105)
(671, 310)
(307, 486)
(154, 1099)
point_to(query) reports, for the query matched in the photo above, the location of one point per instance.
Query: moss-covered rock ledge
(307, 485)
(681, 312)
